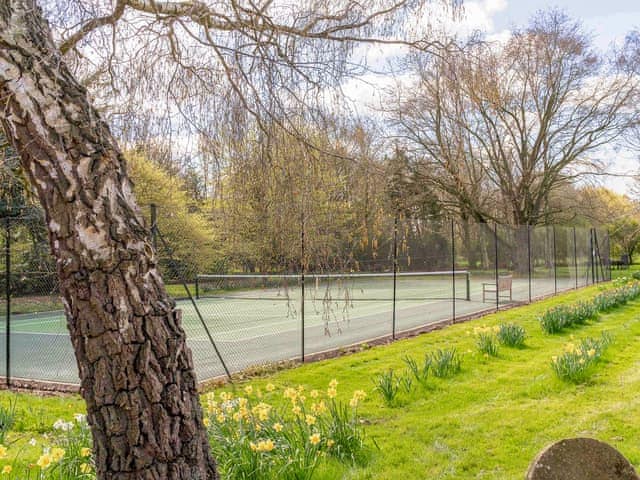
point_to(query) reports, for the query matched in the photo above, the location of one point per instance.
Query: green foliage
(187, 232)
(445, 362)
(7, 419)
(406, 381)
(575, 362)
(556, 319)
(511, 335)
(420, 373)
(258, 438)
(388, 384)
(272, 185)
(487, 343)
(65, 455)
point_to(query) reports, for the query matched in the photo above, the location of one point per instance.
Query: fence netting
(309, 290)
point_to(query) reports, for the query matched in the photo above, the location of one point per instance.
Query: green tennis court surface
(260, 325)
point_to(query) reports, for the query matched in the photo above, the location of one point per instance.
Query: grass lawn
(491, 419)
(487, 422)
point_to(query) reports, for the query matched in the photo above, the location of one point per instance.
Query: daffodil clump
(619, 296)
(487, 340)
(511, 335)
(66, 454)
(561, 317)
(575, 362)
(282, 432)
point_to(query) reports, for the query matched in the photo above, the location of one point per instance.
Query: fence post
(302, 267)
(395, 275)
(495, 242)
(592, 255)
(555, 261)
(575, 255)
(453, 272)
(528, 258)
(7, 284)
(609, 256)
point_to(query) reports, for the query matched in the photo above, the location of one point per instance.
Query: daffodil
(265, 445)
(44, 461)
(57, 453)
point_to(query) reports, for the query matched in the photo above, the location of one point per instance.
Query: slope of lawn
(490, 420)
(486, 422)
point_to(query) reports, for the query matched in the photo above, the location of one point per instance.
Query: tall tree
(497, 128)
(135, 369)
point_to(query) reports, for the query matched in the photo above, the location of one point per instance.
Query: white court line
(237, 339)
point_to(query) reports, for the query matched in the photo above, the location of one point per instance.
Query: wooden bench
(504, 285)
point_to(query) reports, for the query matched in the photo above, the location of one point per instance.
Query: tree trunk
(135, 370)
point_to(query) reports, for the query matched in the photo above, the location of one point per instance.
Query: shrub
(575, 362)
(445, 363)
(511, 335)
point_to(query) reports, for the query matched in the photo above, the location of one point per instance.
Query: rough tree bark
(136, 372)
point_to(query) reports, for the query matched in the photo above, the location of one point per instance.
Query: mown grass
(488, 421)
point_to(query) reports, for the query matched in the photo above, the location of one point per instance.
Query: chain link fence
(321, 294)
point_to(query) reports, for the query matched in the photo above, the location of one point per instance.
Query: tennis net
(430, 285)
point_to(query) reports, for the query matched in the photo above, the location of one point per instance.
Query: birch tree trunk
(136, 372)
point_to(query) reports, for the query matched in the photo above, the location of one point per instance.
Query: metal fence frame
(598, 269)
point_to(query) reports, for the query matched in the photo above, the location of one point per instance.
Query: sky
(608, 21)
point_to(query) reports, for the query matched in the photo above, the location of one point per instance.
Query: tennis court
(258, 319)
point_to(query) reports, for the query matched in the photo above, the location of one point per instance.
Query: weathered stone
(581, 459)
